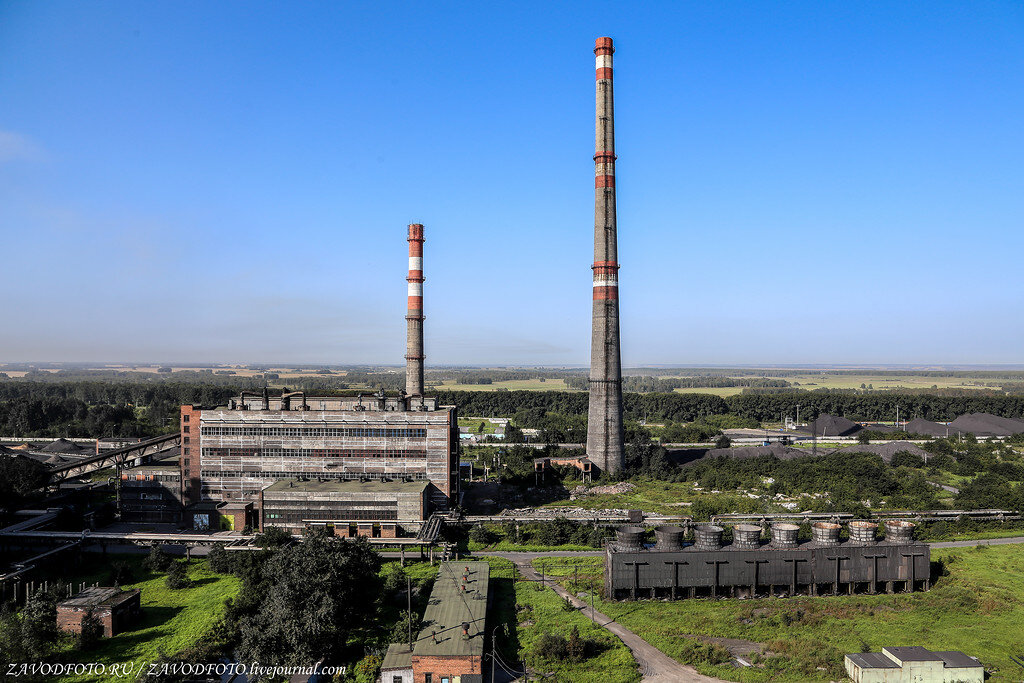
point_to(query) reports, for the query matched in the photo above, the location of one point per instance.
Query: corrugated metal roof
(449, 606)
(872, 660)
(399, 656)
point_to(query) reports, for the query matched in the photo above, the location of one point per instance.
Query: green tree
(316, 593)
(91, 633)
(39, 626)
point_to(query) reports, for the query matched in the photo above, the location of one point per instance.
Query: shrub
(482, 535)
(220, 560)
(120, 572)
(158, 559)
(368, 669)
(177, 576)
(91, 634)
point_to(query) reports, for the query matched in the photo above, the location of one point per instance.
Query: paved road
(655, 665)
(982, 541)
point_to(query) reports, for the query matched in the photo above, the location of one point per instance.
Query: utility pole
(408, 593)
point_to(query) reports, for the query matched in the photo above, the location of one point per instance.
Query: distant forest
(98, 406)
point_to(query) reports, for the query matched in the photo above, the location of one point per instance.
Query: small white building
(913, 665)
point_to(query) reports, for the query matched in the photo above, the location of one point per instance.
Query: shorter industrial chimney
(414, 318)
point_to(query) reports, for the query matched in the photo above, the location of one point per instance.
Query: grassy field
(512, 385)
(472, 425)
(540, 612)
(171, 619)
(664, 497)
(977, 607)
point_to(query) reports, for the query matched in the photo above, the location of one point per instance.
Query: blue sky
(797, 182)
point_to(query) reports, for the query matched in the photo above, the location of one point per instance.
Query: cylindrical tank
(708, 537)
(825, 533)
(862, 532)
(630, 537)
(899, 531)
(784, 535)
(668, 537)
(746, 536)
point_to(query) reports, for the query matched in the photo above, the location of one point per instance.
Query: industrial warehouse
(823, 566)
(370, 465)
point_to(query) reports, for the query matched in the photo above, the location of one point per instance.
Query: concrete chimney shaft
(604, 426)
(414, 315)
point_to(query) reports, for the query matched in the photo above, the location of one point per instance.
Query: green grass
(664, 497)
(978, 608)
(172, 620)
(510, 547)
(511, 385)
(540, 612)
(473, 425)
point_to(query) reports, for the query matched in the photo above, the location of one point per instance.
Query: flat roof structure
(913, 664)
(96, 596)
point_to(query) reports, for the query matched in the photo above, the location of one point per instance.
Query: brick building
(451, 647)
(116, 609)
(232, 453)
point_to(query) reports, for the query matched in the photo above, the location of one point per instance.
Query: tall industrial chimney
(414, 314)
(604, 427)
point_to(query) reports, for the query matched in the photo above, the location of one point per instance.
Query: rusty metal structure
(604, 426)
(825, 565)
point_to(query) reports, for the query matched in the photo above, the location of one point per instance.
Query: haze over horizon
(797, 185)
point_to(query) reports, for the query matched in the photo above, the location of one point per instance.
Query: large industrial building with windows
(369, 464)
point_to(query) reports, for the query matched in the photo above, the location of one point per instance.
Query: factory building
(746, 567)
(451, 646)
(352, 508)
(151, 492)
(328, 450)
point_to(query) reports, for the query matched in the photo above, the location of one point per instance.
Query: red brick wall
(444, 667)
(190, 455)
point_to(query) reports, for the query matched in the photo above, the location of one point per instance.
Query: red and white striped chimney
(414, 314)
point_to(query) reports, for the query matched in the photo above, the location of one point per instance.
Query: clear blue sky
(809, 182)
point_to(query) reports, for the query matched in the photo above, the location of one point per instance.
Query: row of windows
(395, 432)
(312, 453)
(328, 515)
(225, 474)
(304, 504)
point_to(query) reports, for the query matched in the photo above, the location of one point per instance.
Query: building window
(428, 678)
(187, 449)
(396, 679)
(184, 418)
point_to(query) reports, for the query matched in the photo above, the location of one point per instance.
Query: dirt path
(655, 665)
